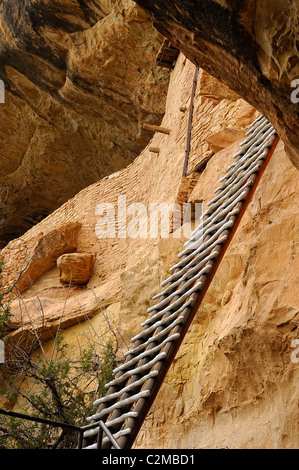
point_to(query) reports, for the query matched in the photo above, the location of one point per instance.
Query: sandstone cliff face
(233, 381)
(150, 178)
(80, 80)
(252, 47)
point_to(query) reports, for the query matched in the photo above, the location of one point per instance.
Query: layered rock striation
(234, 380)
(80, 79)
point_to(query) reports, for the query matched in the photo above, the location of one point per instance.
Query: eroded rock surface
(75, 268)
(80, 80)
(233, 381)
(250, 46)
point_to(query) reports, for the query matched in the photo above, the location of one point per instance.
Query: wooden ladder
(137, 381)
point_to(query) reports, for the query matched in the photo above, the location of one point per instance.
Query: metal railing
(70, 427)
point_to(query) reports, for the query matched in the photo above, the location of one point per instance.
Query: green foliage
(107, 366)
(60, 388)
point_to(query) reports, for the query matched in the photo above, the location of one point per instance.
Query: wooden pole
(188, 146)
(153, 128)
(154, 149)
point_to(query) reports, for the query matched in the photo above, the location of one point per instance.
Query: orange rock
(48, 248)
(233, 382)
(224, 138)
(75, 268)
(74, 111)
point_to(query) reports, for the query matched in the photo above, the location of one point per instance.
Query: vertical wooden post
(188, 146)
